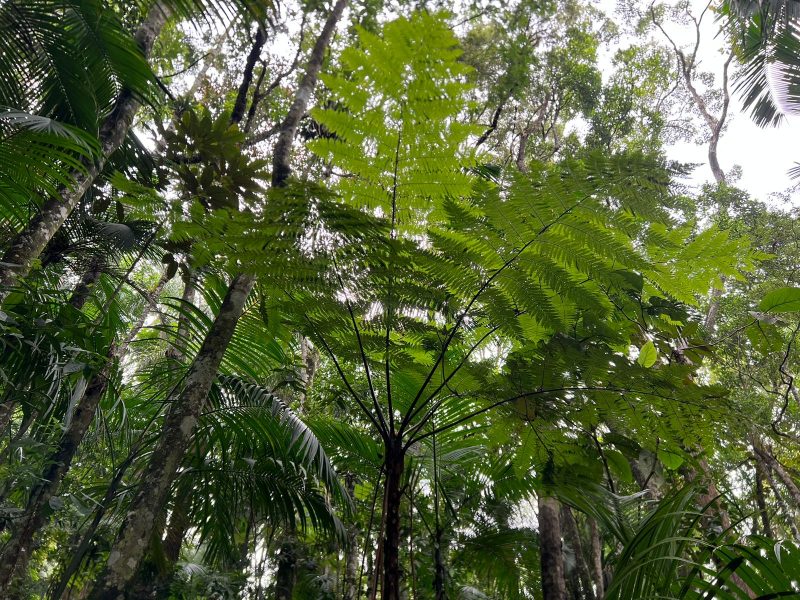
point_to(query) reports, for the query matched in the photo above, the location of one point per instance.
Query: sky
(765, 155)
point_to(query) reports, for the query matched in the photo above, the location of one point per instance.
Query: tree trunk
(573, 536)
(597, 559)
(393, 492)
(552, 559)
(17, 552)
(81, 293)
(176, 433)
(28, 244)
(283, 147)
(761, 501)
(286, 575)
(439, 570)
(777, 467)
(781, 504)
(351, 590)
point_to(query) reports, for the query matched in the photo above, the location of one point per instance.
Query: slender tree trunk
(438, 565)
(185, 407)
(27, 245)
(783, 508)
(780, 471)
(187, 298)
(283, 147)
(17, 552)
(286, 575)
(597, 559)
(351, 590)
(81, 293)
(552, 559)
(395, 464)
(573, 536)
(154, 295)
(761, 501)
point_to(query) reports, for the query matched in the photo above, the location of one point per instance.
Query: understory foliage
(485, 341)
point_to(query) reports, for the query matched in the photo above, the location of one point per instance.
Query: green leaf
(619, 464)
(670, 460)
(648, 355)
(781, 300)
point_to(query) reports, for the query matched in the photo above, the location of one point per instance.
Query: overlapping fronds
(68, 59)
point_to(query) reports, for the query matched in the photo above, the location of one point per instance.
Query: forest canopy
(364, 299)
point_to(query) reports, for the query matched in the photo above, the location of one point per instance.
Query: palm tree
(766, 37)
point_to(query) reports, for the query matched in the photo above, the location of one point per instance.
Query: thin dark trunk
(80, 551)
(761, 501)
(81, 292)
(286, 575)
(439, 570)
(17, 552)
(552, 559)
(176, 433)
(240, 105)
(393, 492)
(351, 558)
(28, 244)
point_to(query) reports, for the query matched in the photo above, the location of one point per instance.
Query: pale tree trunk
(185, 406)
(28, 244)
(597, 559)
(16, 553)
(552, 559)
(176, 434)
(573, 536)
(781, 503)
(288, 130)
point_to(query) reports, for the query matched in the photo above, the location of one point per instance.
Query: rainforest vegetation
(306, 299)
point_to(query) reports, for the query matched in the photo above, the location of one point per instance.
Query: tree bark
(552, 559)
(781, 503)
(176, 433)
(597, 559)
(394, 466)
(773, 463)
(17, 552)
(351, 558)
(761, 501)
(573, 536)
(286, 575)
(288, 130)
(28, 244)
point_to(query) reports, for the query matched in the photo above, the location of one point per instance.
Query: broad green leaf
(670, 460)
(648, 355)
(619, 464)
(785, 299)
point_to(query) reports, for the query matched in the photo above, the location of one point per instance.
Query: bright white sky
(764, 155)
